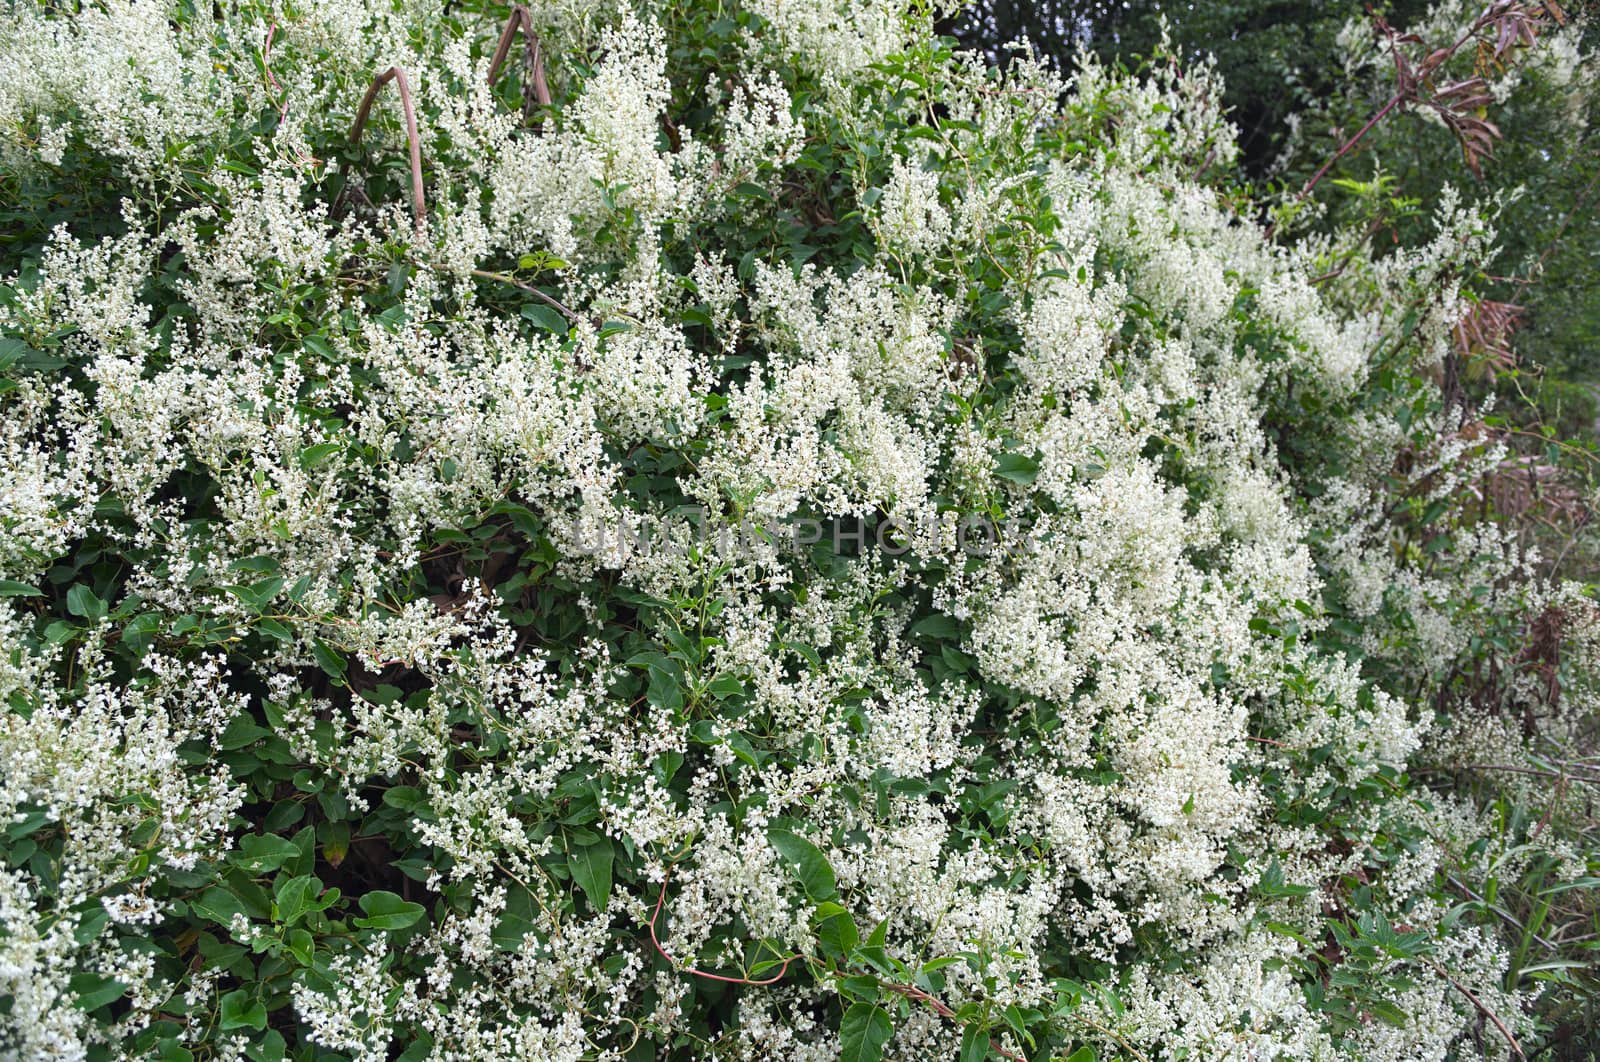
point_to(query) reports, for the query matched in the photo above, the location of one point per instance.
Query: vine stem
(1561, 230)
(549, 300)
(419, 207)
(521, 18)
(912, 992)
(266, 65)
(1407, 90)
(1511, 1041)
(1349, 145)
(656, 915)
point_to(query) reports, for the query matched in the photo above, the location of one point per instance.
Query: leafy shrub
(805, 547)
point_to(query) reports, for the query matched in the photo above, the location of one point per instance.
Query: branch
(912, 992)
(1516, 24)
(549, 300)
(266, 66)
(419, 208)
(774, 979)
(521, 18)
(1394, 101)
(1561, 230)
(1516, 1048)
(1508, 768)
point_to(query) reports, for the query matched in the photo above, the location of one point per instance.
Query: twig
(1345, 148)
(549, 300)
(266, 65)
(774, 979)
(912, 992)
(1469, 129)
(1561, 230)
(1550, 810)
(419, 207)
(1466, 891)
(300, 153)
(1516, 1048)
(521, 18)
(1537, 773)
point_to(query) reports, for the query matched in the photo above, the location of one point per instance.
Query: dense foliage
(1300, 79)
(789, 542)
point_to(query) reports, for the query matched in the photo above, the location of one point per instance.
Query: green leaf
(407, 798)
(515, 922)
(974, 1044)
(1567, 886)
(385, 910)
(314, 456)
(93, 991)
(1017, 468)
(862, 988)
(328, 659)
(295, 896)
(838, 934)
(806, 862)
(219, 905)
(84, 602)
(271, 1048)
(11, 588)
(140, 632)
(1082, 1054)
(1283, 929)
(27, 822)
(590, 865)
(1272, 882)
(938, 626)
(275, 630)
(664, 692)
(241, 731)
(419, 1049)
(257, 596)
(863, 1032)
(239, 1011)
(263, 853)
(302, 945)
(724, 686)
(14, 352)
(546, 317)
(1387, 1012)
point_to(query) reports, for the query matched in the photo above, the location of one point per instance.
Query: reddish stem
(1407, 90)
(266, 64)
(419, 207)
(941, 1008)
(774, 979)
(521, 18)
(1348, 145)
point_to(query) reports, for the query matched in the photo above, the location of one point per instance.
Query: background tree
(1301, 78)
